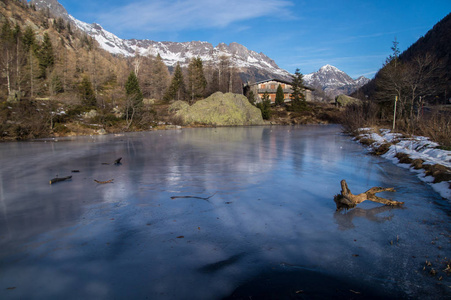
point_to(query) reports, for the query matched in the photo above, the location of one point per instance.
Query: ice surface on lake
(245, 202)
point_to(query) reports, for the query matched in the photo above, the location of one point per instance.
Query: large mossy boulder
(343, 100)
(219, 109)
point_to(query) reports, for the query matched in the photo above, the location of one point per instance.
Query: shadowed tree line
(411, 92)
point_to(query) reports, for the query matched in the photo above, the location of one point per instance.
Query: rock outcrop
(219, 109)
(343, 100)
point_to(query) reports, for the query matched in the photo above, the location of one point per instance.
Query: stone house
(270, 86)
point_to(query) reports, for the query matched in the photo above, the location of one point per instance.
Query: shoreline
(416, 153)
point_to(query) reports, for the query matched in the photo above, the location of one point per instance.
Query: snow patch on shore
(417, 147)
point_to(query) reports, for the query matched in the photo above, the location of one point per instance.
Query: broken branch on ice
(348, 200)
(58, 179)
(103, 182)
(195, 197)
(116, 162)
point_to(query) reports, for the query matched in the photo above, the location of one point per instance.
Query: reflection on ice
(344, 219)
(198, 213)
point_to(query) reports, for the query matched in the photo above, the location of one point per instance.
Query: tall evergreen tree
(297, 96)
(265, 106)
(134, 100)
(279, 95)
(132, 89)
(46, 56)
(87, 93)
(196, 79)
(57, 85)
(176, 89)
(28, 39)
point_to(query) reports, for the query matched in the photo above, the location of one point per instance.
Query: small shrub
(366, 141)
(439, 172)
(356, 116)
(176, 120)
(417, 163)
(108, 120)
(60, 128)
(403, 158)
(382, 149)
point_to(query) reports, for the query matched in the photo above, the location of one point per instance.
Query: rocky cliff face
(53, 6)
(219, 109)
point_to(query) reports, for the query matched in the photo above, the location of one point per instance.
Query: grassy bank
(50, 118)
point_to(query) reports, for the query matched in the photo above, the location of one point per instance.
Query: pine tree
(177, 88)
(196, 79)
(251, 97)
(134, 98)
(297, 96)
(57, 85)
(279, 96)
(265, 106)
(45, 56)
(28, 39)
(87, 93)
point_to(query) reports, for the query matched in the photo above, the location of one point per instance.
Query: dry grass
(439, 172)
(417, 163)
(382, 149)
(357, 116)
(404, 158)
(437, 126)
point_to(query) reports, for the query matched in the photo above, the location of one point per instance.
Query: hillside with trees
(58, 81)
(412, 91)
(55, 76)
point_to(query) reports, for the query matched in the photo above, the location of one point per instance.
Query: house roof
(271, 79)
(277, 80)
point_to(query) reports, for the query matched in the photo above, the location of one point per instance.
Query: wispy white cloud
(175, 15)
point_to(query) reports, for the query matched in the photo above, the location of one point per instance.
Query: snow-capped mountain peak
(329, 68)
(334, 81)
(250, 63)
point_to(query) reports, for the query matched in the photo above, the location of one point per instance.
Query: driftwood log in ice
(58, 179)
(104, 182)
(348, 200)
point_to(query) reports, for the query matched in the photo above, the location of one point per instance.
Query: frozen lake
(251, 214)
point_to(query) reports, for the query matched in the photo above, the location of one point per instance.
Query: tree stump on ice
(348, 200)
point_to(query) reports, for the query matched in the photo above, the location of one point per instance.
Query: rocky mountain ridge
(251, 65)
(333, 81)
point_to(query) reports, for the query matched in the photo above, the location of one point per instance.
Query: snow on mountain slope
(173, 52)
(334, 81)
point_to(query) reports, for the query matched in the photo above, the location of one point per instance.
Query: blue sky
(354, 36)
